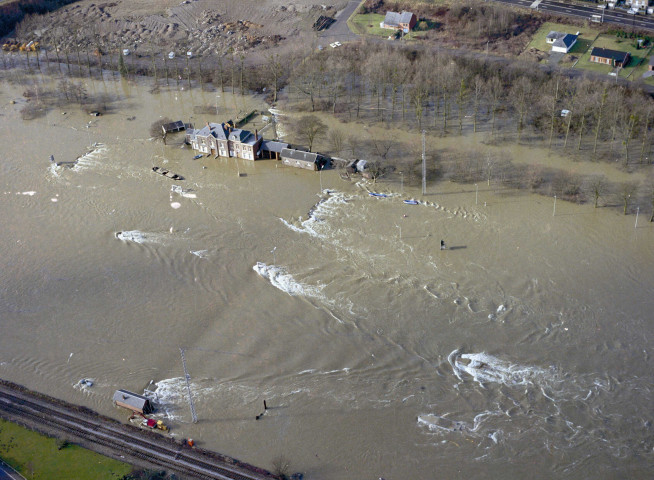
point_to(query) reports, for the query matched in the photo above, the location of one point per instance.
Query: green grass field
(37, 456)
(638, 56)
(586, 37)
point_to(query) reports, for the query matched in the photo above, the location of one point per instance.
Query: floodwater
(524, 349)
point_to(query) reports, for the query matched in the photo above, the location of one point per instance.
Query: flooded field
(524, 349)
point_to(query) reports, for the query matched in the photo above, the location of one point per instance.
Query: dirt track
(202, 26)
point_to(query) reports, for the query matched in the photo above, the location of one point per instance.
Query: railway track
(130, 442)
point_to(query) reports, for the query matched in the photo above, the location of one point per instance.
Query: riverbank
(73, 423)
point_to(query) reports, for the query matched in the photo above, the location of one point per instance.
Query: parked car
(632, 11)
(125, 51)
(171, 55)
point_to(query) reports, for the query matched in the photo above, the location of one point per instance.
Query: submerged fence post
(188, 386)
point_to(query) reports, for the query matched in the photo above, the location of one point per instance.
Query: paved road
(339, 31)
(616, 16)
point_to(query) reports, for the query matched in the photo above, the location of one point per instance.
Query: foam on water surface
(485, 368)
(285, 282)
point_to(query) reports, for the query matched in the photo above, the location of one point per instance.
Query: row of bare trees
(449, 94)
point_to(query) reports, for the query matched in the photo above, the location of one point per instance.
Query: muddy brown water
(524, 349)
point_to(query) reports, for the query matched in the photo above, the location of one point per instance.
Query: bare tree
(521, 96)
(276, 70)
(477, 91)
(461, 100)
(596, 186)
(308, 128)
(552, 105)
(645, 143)
(601, 102)
(625, 192)
(494, 91)
(336, 140)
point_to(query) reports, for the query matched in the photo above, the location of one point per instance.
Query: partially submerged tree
(156, 130)
(625, 192)
(596, 187)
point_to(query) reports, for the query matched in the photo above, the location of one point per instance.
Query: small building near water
(133, 401)
(172, 127)
(300, 159)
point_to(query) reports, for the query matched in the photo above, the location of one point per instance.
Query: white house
(637, 4)
(561, 42)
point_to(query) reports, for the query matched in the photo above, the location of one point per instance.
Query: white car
(189, 54)
(632, 11)
(171, 55)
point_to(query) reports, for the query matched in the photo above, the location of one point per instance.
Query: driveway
(555, 58)
(339, 31)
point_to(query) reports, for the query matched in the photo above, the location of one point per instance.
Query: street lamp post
(400, 231)
(476, 193)
(402, 184)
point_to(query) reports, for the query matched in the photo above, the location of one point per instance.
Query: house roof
(272, 146)
(133, 400)
(216, 130)
(173, 126)
(395, 19)
(221, 132)
(612, 54)
(299, 155)
(566, 41)
(555, 35)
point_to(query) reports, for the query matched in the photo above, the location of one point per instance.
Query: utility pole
(424, 166)
(188, 386)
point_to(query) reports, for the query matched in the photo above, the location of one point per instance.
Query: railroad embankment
(107, 436)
